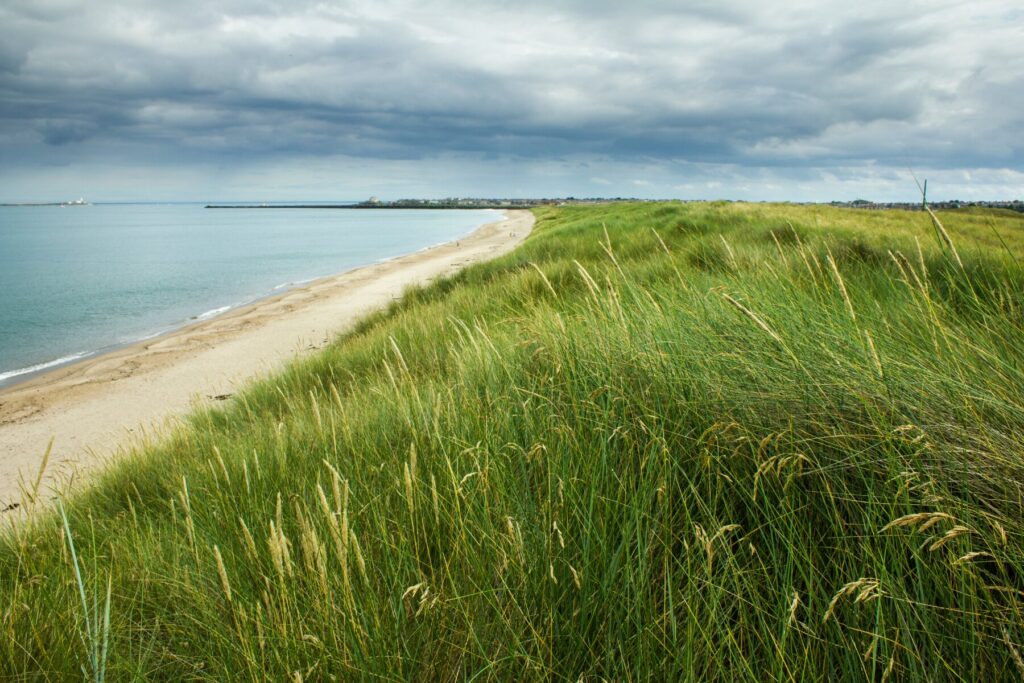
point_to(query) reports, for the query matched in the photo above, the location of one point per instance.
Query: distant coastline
(529, 203)
(74, 202)
(447, 204)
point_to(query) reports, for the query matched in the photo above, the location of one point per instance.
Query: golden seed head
(223, 572)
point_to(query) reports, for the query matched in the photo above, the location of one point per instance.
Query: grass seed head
(223, 573)
(865, 588)
(794, 605)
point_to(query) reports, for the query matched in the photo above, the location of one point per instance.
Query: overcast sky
(744, 99)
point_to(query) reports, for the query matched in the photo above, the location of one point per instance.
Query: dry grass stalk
(313, 556)
(245, 476)
(223, 467)
(32, 494)
(866, 589)
(515, 535)
(729, 250)
(279, 512)
(874, 354)
(944, 236)
(315, 405)
(280, 555)
(607, 246)
(1001, 530)
(411, 594)
(575, 576)
(250, 542)
(399, 356)
(275, 554)
(807, 264)
(336, 486)
(544, 278)
(660, 241)
(778, 246)
(434, 500)
(909, 272)
(186, 505)
(223, 573)
(891, 666)
(955, 532)
(921, 520)
(705, 542)
(970, 557)
(775, 466)
(426, 599)
(794, 605)
(753, 316)
(410, 503)
(358, 551)
(842, 285)
(339, 537)
(1018, 661)
(708, 542)
(587, 279)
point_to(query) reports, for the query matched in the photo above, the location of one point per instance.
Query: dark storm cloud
(740, 83)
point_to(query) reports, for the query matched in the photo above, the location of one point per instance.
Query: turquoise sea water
(75, 281)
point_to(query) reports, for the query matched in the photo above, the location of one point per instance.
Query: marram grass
(656, 442)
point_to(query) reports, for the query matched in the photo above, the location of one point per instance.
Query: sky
(293, 100)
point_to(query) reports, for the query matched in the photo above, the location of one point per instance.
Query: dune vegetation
(656, 442)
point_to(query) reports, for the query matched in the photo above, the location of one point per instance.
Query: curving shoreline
(100, 405)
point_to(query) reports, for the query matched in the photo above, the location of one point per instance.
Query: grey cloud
(743, 83)
(64, 132)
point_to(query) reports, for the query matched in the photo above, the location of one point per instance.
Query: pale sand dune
(98, 407)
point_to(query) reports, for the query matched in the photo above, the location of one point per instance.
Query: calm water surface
(79, 280)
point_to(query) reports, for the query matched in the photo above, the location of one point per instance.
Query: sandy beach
(97, 408)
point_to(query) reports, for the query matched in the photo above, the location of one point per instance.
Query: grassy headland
(671, 442)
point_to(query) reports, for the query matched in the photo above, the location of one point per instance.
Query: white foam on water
(295, 283)
(213, 312)
(43, 366)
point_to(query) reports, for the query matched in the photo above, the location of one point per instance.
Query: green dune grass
(656, 442)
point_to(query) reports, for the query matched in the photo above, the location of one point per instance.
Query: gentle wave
(44, 366)
(64, 360)
(295, 283)
(213, 313)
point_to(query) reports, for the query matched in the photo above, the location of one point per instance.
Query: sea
(77, 281)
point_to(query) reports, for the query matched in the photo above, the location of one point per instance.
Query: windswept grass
(668, 442)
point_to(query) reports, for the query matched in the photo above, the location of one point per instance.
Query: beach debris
(220, 397)
(12, 506)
